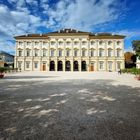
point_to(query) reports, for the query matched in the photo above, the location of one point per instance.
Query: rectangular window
(28, 43)
(109, 53)
(109, 65)
(118, 53)
(20, 53)
(92, 53)
(101, 53)
(60, 53)
(44, 53)
(27, 65)
(52, 53)
(36, 65)
(36, 52)
(36, 43)
(83, 52)
(67, 53)
(101, 65)
(19, 65)
(118, 65)
(28, 53)
(75, 52)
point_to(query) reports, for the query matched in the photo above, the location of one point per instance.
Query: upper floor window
(28, 43)
(20, 53)
(101, 52)
(109, 42)
(60, 53)
(92, 42)
(60, 43)
(100, 42)
(36, 52)
(118, 52)
(67, 52)
(83, 52)
(68, 42)
(76, 43)
(109, 52)
(44, 52)
(118, 42)
(52, 43)
(75, 52)
(20, 43)
(52, 52)
(28, 52)
(84, 43)
(44, 43)
(92, 53)
(36, 43)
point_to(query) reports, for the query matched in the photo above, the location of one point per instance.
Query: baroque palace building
(69, 50)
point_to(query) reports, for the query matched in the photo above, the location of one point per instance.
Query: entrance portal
(75, 64)
(52, 66)
(83, 66)
(44, 67)
(60, 66)
(68, 66)
(92, 67)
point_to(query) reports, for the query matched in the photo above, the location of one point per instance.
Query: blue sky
(19, 17)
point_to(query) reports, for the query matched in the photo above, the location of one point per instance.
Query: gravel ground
(69, 106)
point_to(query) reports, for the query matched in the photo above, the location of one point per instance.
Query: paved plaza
(69, 106)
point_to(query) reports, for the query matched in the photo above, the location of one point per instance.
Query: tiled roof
(70, 32)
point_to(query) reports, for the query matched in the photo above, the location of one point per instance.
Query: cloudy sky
(19, 17)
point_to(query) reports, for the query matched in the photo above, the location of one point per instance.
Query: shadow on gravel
(28, 77)
(76, 110)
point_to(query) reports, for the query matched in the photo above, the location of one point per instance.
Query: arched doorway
(91, 66)
(83, 66)
(68, 66)
(60, 66)
(52, 66)
(75, 65)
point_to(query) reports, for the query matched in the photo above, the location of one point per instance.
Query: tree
(136, 47)
(130, 60)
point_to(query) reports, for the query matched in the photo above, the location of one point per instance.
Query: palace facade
(69, 50)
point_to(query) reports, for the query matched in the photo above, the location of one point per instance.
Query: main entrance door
(52, 66)
(44, 67)
(83, 66)
(68, 66)
(92, 67)
(60, 66)
(75, 66)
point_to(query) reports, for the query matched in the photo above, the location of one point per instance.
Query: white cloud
(83, 14)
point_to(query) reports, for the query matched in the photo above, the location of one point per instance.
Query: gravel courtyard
(69, 106)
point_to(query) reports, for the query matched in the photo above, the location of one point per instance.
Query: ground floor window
(27, 65)
(118, 65)
(36, 65)
(101, 65)
(19, 65)
(110, 65)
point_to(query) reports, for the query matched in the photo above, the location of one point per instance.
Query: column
(79, 65)
(56, 65)
(71, 63)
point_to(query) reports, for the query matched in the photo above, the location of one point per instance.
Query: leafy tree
(136, 47)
